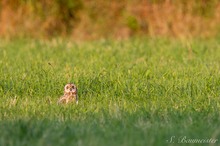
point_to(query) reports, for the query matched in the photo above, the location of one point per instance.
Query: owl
(70, 94)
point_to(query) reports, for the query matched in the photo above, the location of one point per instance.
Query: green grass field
(135, 92)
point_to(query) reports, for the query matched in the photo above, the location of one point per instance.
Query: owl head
(70, 88)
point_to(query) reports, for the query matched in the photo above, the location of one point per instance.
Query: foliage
(109, 19)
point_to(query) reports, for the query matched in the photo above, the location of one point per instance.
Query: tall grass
(109, 19)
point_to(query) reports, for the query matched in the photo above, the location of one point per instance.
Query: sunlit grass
(134, 92)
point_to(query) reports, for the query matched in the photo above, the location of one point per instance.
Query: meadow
(135, 92)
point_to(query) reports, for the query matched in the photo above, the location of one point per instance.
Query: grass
(131, 93)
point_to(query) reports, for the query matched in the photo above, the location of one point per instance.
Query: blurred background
(118, 19)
